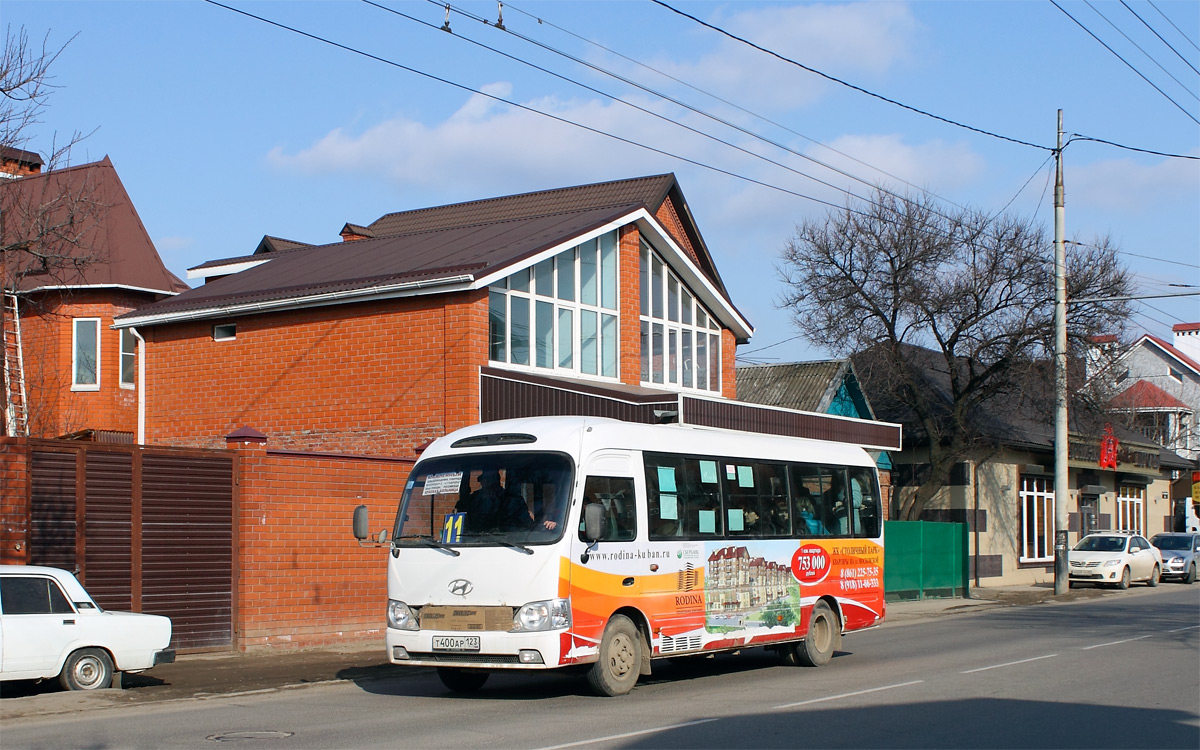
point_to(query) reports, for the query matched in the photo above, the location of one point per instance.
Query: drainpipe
(141, 428)
(975, 519)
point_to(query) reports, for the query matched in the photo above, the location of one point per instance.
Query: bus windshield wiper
(494, 536)
(430, 541)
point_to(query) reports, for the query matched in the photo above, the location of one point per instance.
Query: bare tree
(947, 311)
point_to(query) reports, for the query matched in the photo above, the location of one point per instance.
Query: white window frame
(1037, 492)
(678, 326)
(75, 363)
(128, 368)
(1131, 506)
(563, 297)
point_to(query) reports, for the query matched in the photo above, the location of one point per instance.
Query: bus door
(604, 574)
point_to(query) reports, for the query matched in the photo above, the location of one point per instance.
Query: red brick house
(75, 256)
(429, 320)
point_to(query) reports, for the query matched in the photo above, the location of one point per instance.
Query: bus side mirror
(360, 523)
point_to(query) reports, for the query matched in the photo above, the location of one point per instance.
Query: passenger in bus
(807, 513)
(838, 490)
(491, 508)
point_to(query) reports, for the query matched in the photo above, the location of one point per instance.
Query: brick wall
(302, 579)
(46, 335)
(362, 378)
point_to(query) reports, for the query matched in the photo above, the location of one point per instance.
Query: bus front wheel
(818, 646)
(620, 662)
(462, 680)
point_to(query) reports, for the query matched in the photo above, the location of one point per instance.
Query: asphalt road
(1112, 671)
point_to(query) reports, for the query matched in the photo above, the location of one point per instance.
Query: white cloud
(1129, 187)
(934, 165)
(838, 40)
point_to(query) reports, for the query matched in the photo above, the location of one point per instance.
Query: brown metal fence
(148, 529)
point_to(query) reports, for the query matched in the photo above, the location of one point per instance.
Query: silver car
(1180, 553)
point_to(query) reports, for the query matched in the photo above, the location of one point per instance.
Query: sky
(225, 128)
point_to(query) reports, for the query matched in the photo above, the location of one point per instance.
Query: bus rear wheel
(818, 646)
(620, 662)
(462, 680)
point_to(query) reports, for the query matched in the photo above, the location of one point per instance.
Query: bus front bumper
(475, 650)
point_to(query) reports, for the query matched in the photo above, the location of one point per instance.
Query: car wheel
(1124, 584)
(462, 680)
(1191, 574)
(818, 646)
(620, 663)
(87, 669)
(1154, 576)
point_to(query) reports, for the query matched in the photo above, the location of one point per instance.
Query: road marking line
(1180, 630)
(849, 695)
(1114, 643)
(581, 743)
(1008, 664)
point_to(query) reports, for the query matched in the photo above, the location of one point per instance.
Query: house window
(1037, 519)
(1130, 502)
(128, 357)
(681, 340)
(85, 360)
(561, 314)
(225, 332)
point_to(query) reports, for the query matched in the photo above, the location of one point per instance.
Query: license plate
(456, 643)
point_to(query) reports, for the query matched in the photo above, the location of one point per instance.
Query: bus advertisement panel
(581, 542)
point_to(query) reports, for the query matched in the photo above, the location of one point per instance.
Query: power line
(1164, 41)
(1118, 56)
(1150, 57)
(1018, 194)
(826, 76)
(1168, 20)
(1080, 137)
(533, 110)
(769, 121)
(1135, 255)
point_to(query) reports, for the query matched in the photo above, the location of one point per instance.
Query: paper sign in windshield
(443, 484)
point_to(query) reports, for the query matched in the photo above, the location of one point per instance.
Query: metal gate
(925, 560)
(148, 529)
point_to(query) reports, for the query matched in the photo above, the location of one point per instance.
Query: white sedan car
(1116, 558)
(50, 627)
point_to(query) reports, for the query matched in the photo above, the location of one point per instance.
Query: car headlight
(553, 614)
(400, 617)
(1110, 563)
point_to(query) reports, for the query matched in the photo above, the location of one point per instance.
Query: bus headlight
(400, 617)
(553, 614)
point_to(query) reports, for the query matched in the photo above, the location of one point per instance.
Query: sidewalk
(203, 676)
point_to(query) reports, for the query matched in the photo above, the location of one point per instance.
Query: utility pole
(1061, 437)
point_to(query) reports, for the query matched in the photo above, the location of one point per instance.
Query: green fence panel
(924, 560)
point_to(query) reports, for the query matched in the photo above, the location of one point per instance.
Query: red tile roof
(1145, 395)
(93, 229)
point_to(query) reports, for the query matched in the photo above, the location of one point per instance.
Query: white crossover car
(50, 627)
(1115, 558)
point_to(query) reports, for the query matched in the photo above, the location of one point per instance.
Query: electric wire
(1160, 38)
(1036, 172)
(637, 107)
(1118, 56)
(1150, 57)
(527, 108)
(740, 108)
(1081, 137)
(1168, 20)
(1136, 255)
(826, 76)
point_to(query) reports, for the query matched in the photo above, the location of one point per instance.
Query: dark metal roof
(431, 245)
(107, 244)
(347, 267)
(807, 386)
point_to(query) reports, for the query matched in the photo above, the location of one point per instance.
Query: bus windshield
(489, 499)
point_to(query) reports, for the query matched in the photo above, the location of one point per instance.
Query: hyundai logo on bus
(460, 587)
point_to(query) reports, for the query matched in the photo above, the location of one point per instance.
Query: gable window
(681, 341)
(85, 354)
(561, 314)
(1037, 519)
(128, 357)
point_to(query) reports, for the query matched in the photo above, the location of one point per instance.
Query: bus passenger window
(865, 503)
(615, 494)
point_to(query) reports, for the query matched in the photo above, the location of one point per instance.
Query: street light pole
(1061, 491)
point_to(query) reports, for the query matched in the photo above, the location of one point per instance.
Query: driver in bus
(492, 508)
